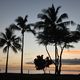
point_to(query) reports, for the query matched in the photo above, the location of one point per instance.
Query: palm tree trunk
(56, 59)
(22, 53)
(60, 61)
(48, 52)
(7, 60)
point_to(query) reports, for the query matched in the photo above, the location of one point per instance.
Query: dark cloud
(71, 61)
(65, 61)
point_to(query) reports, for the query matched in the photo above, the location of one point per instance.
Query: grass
(17, 76)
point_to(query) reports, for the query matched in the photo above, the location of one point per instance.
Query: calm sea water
(66, 69)
(41, 71)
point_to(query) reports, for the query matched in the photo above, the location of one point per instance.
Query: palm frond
(30, 30)
(29, 26)
(72, 23)
(19, 19)
(75, 36)
(69, 46)
(18, 39)
(53, 8)
(42, 16)
(43, 38)
(39, 25)
(63, 16)
(5, 49)
(9, 32)
(45, 17)
(17, 45)
(3, 36)
(15, 39)
(25, 19)
(57, 10)
(66, 23)
(2, 42)
(14, 27)
(14, 49)
(78, 27)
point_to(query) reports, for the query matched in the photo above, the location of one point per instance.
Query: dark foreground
(13, 76)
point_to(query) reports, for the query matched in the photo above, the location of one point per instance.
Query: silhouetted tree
(48, 62)
(9, 40)
(41, 63)
(51, 28)
(65, 42)
(23, 27)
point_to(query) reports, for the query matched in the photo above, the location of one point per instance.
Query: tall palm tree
(9, 40)
(23, 27)
(52, 24)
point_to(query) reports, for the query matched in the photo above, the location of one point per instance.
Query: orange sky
(14, 59)
(72, 51)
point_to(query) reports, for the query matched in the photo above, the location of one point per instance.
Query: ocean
(30, 69)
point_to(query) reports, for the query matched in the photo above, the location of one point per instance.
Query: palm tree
(9, 40)
(65, 42)
(52, 25)
(21, 25)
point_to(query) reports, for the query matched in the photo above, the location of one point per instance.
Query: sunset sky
(11, 9)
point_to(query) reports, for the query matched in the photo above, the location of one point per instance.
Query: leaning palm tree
(65, 42)
(23, 27)
(51, 23)
(9, 40)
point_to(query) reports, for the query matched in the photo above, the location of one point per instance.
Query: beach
(18, 76)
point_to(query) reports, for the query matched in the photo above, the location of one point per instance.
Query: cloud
(71, 61)
(65, 61)
(29, 62)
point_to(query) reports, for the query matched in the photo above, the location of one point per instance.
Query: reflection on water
(66, 69)
(41, 72)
